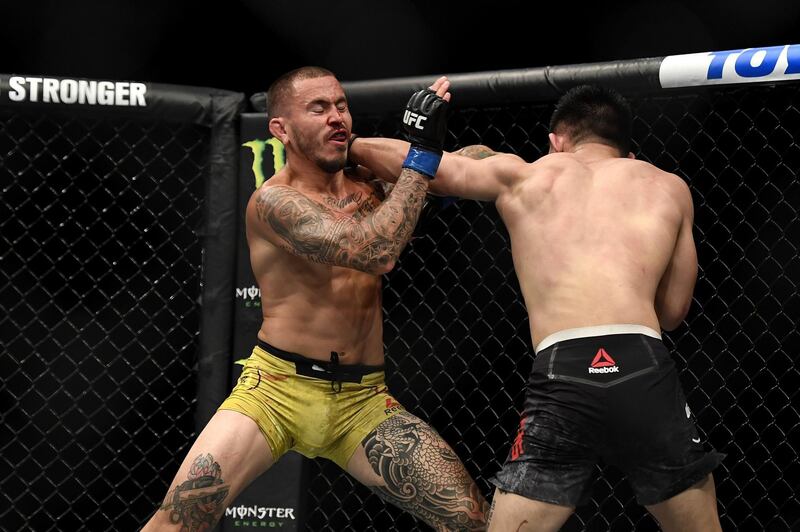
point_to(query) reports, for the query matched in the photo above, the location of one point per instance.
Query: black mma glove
(425, 126)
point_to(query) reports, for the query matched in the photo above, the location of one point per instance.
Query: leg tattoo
(423, 475)
(197, 504)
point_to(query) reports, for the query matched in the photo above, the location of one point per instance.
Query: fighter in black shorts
(598, 238)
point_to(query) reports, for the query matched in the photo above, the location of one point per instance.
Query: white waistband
(599, 330)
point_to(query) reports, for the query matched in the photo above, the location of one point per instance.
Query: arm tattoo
(198, 503)
(477, 151)
(316, 233)
(381, 188)
(423, 475)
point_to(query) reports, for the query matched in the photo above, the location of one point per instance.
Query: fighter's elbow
(671, 318)
(669, 324)
(380, 267)
(387, 267)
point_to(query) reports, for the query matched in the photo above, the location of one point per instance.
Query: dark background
(243, 45)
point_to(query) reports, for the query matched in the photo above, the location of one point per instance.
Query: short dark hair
(281, 88)
(597, 113)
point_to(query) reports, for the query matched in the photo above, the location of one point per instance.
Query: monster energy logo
(251, 296)
(259, 516)
(258, 146)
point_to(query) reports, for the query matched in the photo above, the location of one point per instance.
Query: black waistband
(320, 369)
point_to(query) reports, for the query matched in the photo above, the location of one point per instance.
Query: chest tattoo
(364, 204)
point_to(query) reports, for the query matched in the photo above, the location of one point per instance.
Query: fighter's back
(591, 239)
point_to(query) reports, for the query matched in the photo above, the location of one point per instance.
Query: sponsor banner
(751, 65)
(249, 296)
(67, 91)
(244, 517)
(275, 500)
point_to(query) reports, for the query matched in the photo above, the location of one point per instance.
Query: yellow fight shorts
(315, 408)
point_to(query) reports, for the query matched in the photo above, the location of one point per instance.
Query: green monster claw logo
(257, 146)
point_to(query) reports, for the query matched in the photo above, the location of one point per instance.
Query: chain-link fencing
(101, 231)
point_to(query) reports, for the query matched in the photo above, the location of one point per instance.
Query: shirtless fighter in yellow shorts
(319, 242)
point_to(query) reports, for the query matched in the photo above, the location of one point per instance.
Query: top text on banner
(752, 65)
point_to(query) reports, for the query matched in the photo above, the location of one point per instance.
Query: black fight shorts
(606, 393)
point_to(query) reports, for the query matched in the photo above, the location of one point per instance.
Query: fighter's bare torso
(591, 239)
(311, 308)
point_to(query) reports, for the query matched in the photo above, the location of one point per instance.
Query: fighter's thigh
(520, 514)
(694, 509)
(408, 464)
(228, 454)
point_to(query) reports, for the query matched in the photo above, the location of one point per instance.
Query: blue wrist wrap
(423, 161)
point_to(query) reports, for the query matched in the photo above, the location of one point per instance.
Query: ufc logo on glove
(413, 119)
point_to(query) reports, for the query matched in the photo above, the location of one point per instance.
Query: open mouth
(339, 136)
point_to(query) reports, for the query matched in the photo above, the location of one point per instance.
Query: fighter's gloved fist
(425, 126)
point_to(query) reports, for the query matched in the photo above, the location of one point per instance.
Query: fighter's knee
(461, 526)
(470, 517)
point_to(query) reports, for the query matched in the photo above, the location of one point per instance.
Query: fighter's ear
(278, 129)
(631, 155)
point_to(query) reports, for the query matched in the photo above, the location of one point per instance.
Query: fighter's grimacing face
(320, 122)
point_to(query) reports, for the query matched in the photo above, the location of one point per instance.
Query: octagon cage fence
(105, 343)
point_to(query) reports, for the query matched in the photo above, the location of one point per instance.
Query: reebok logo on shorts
(603, 363)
